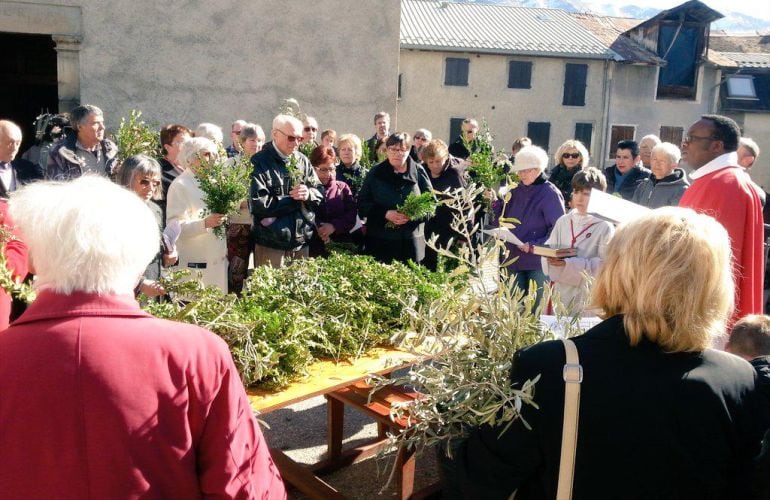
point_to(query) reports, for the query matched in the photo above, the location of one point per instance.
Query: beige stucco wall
(633, 102)
(427, 102)
(757, 126)
(217, 61)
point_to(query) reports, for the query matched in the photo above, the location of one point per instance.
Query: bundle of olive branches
(134, 136)
(473, 333)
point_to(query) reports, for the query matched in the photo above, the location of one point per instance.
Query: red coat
(15, 261)
(98, 399)
(729, 196)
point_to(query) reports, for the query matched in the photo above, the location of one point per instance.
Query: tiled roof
(467, 27)
(750, 60)
(610, 31)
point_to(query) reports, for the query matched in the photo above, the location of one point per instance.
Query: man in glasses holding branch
(285, 193)
(722, 189)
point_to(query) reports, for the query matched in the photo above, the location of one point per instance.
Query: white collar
(718, 163)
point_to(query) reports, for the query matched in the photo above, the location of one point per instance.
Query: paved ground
(300, 431)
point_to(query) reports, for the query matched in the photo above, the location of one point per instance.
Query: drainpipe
(606, 100)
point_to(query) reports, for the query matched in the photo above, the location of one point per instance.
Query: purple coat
(338, 208)
(537, 207)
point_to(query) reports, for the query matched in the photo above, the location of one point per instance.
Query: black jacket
(458, 149)
(25, 172)
(451, 178)
(652, 425)
(281, 222)
(561, 177)
(635, 176)
(384, 190)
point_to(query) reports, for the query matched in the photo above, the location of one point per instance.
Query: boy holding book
(587, 234)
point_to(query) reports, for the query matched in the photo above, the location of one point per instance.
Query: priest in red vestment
(723, 190)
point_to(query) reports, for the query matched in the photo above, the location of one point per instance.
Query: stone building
(198, 61)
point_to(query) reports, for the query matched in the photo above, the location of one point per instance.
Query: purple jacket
(537, 207)
(338, 208)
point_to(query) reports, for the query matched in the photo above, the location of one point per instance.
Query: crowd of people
(668, 283)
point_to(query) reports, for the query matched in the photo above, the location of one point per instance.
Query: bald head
(10, 140)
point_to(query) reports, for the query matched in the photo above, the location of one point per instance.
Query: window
(679, 46)
(455, 127)
(519, 75)
(741, 87)
(456, 71)
(575, 78)
(400, 84)
(672, 134)
(617, 134)
(540, 133)
(584, 133)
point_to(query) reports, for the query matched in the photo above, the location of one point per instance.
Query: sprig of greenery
(417, 206)
(296, 175)
(473, 332)
(225, 185)
(306, 148)
(365, 161)
(134, 136)
(14, 287)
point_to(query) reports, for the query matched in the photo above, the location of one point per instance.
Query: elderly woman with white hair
(537, 204)
(99, 398)
(211, 132)
(349, 170)
(661, 414)
(199, 249)
(667, 183)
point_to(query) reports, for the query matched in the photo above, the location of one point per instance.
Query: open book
(505, 234)
(613, 208)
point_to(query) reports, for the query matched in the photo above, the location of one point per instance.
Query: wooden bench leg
(405, 463)
(335, 420)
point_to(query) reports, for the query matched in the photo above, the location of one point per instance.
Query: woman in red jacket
(15, 252)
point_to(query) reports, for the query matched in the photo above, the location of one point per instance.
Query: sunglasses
(330, 169)
(574, 156)
(311, 129)
(291, 138)
(148, 182)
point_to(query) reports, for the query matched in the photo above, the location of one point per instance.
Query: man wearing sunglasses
(723, 190)
(285, 193)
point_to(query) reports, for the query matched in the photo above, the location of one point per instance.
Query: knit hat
(530, 157)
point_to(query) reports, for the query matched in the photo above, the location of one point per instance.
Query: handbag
(573, 376)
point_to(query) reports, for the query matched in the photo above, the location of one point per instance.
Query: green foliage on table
(225, 185)
(134, 136)
(314, 308)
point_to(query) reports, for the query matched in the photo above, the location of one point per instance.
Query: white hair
(88, 234)
(751, 145)
(650, 138)
(670, 150)
(281, 120)
(426, 133)
(210, 131)
(192, 147)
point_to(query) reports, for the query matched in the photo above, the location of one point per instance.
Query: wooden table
(325, 377)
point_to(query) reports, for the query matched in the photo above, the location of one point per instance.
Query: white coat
(200, 250)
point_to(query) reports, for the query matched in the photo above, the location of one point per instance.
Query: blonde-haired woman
(570, 158)
(199, 249)
(350, 171)
(661, 414)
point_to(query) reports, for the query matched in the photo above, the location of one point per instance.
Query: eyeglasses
(327, 169)
(396, 150)
(419, 138)
(310, 129)
(148, 182)
(690, 138)
(570, 155)
(291, 138)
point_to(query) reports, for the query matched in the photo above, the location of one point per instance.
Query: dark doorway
(29, 83)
